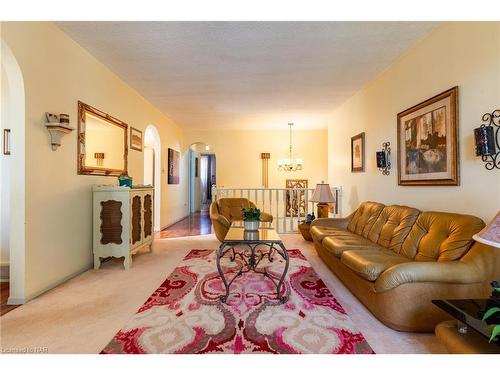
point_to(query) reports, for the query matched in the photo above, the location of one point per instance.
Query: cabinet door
(136, 219)
(148, 215)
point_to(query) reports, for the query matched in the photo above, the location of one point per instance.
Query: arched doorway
(152, 168)
(202, 175)
(13, 173)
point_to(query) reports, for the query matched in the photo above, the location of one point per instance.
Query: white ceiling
(219, 75)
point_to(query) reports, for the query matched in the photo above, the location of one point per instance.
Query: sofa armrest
(264, 216)
(454, 272)
(332, 222)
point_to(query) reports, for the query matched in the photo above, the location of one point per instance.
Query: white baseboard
(57, 283)
(16, 301)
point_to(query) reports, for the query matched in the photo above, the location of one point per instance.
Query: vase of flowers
(251, 218)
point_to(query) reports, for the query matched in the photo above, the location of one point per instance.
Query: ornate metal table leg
(278, 288)
(220, 254)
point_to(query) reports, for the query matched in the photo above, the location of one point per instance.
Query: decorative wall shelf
(57, 131)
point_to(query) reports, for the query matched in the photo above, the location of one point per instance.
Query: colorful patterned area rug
(185, 315)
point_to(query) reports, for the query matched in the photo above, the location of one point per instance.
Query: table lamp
(323, 196)
(490, 235)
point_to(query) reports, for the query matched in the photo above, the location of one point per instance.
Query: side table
(304, 229)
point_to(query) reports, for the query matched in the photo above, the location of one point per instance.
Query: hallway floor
(195, 224)
(4, 296)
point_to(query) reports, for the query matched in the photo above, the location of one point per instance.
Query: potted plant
(492, 315)
(251, 218)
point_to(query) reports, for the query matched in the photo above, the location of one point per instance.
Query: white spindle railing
(274, 201)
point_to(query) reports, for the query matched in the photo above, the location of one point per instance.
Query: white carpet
(83, 314)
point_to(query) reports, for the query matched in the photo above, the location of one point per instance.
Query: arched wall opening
(13, 118)
(202, 175)
(152, 168)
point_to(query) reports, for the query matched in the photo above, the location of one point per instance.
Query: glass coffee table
(469, 312)
(252, 247)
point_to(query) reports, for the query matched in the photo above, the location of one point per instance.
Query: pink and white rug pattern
(185, 315)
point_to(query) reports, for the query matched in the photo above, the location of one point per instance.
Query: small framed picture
(135, 139)
(6, 141)
(358, 153)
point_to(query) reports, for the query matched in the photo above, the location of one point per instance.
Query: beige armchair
(226, 210)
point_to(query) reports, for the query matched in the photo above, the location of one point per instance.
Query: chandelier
(290, 164)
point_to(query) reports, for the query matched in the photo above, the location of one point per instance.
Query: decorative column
(265, 156)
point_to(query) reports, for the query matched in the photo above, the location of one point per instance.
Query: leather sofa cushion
(320, 232)
(392, 226)
(370, 263)
(440, 236)
(344, 241)
(231, 208)
(364, 218)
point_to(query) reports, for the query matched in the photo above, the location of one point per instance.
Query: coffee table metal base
(251, 256)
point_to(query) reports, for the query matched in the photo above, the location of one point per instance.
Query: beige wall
(238, 155)
(456, 54)
(57, 73)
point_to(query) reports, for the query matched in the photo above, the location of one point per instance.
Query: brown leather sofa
(226, 210)
(396, 260)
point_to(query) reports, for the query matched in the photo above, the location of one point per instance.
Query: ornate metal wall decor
(295, 199)
(487, 142)
(384, 159)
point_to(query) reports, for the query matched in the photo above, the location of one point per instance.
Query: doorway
(207, 179)
(152, 169)
(12, 170)
(202, 175)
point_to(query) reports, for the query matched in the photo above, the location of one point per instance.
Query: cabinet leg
(151, 247)
(127, 262)
(97, 262)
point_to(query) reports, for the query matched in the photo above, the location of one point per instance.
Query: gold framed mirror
(102, 143)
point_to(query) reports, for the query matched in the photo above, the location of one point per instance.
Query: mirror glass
(102, 142)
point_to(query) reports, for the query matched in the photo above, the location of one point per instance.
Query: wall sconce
(486, 139)
(383, 159)
(99, 157)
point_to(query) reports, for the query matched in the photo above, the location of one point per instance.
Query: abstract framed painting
(428, 143)
(358, 153)
(173, 166)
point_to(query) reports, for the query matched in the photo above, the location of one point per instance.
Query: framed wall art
(135, 139)
(173, 166)
(358, 153)
(427, 141)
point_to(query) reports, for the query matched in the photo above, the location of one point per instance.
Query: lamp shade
(322, 194)
(490, 235)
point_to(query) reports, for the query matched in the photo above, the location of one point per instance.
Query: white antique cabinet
(123, 222)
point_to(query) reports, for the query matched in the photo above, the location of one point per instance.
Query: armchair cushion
(265, 217)
(370, 263)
